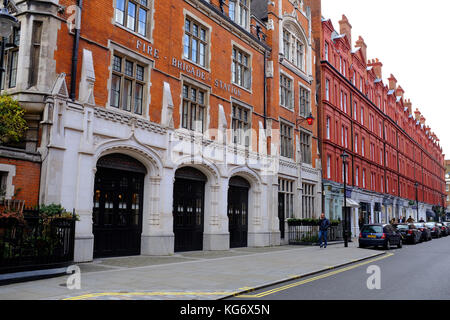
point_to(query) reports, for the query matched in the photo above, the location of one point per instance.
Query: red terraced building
(394, 157)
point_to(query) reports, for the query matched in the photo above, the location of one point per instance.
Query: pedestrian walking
(324, 225)
(410, 220)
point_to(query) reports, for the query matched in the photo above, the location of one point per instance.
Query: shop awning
(351, 203)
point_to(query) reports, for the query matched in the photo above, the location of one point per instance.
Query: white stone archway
(215, 232)
(258, 219)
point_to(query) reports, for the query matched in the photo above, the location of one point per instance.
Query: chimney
(346, 28)
(361, 44)
(392, 82)
(408, 104)
(417, 114)
(399, 92)
(422, 120)
(377, 67)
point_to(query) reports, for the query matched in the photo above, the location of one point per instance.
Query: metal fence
(299, 234)
(35, 243)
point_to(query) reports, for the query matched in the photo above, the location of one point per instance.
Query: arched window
(294, 45)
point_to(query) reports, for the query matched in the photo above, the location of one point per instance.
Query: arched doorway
(118, 201)
(238, 211)
(188, 209)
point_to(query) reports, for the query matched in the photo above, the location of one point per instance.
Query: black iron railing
(309, 234)
(36, 243)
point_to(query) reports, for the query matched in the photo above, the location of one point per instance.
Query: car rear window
(402, 227)
(419, 225)
(372, 229)
(431, 225)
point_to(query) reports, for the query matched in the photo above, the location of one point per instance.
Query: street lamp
(310, 119)
(7, 22)
(344, 156)
(417, 200)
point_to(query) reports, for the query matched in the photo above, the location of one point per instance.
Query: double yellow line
(326, 275)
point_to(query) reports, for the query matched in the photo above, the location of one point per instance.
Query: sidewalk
(190, 275)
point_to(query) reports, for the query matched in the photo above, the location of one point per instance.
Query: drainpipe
(76, 42)
(265, 89)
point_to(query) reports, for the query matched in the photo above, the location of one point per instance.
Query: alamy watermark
(374, 280)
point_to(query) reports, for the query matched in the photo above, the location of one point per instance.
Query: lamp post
(310, 119)
(417, 200)
(7, 22)
(344, 156)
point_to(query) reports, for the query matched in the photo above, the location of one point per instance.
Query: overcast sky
(410, 38)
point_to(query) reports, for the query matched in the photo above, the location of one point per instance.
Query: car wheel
(361, 246)
(400, 245)
(387, 246)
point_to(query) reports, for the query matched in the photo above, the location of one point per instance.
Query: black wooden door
(238, 216)
(117, 212)
(188, 214)
(281, 213)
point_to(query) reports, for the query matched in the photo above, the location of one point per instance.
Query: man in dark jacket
(324, 225)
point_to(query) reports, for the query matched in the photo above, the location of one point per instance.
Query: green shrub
(12, 122)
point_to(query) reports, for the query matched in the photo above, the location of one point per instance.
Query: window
(240, 68)
(195, 43)
(286, 92)
(362, 115)
(133, 14)
(239, 12)
(345, 102)
(346, 137)
(342, 136)
(305, 102)
(194, 108)
(327, 89)
(364, 178)
(329, 167)
(357, 176)
(286, 192)
(355, 111)
(342, 100)
(363, 143)
(305, 147)
(328, 128)
(286, 141)
(326, 51)
(356, 143)
(241, 125)
(308, 201)
(294, 46)
(127, 85)
(9, 78)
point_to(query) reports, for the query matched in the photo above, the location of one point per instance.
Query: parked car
(435, 231)
(374, 235)
(447, 224)
(409, 232)
(444, 230)
(426, 232)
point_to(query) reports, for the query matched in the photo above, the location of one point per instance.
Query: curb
(300, 276)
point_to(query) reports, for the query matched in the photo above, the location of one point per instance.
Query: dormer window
(239, 12)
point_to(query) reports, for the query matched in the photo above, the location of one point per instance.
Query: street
(413, 272)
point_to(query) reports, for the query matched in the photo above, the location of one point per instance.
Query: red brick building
(167, 125)
(394, 156)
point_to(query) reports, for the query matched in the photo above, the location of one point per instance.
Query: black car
(435, 231)
(447, 224)
(426, 232)
(374, 235)
(409, 232)
(444, 230)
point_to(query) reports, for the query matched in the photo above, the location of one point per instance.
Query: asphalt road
(418, 272)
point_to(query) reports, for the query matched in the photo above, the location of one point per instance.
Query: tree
(12, 122)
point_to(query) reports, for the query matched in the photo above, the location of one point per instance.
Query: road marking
(326, 275)
(115, 294)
